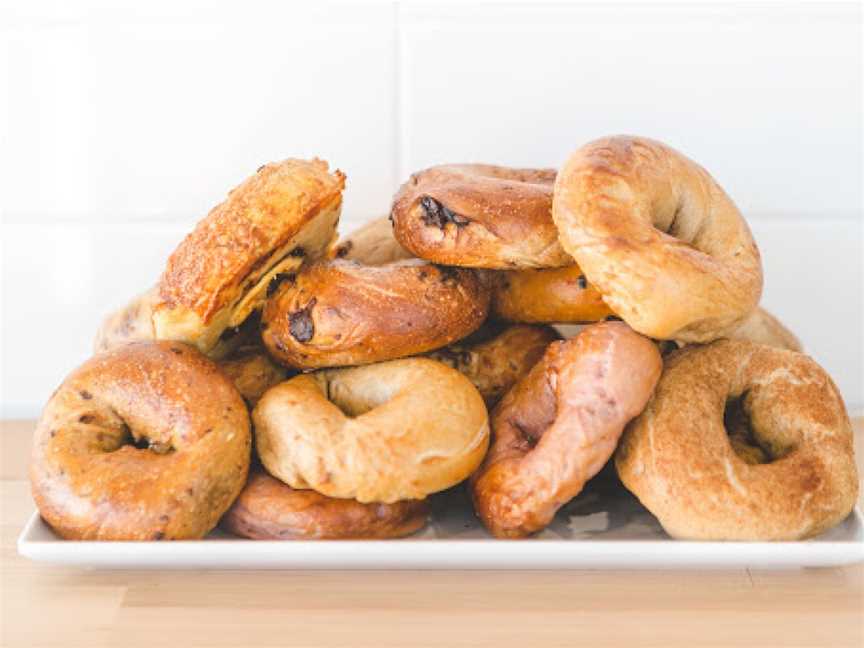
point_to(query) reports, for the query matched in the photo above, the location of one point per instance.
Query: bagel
(480, 216)
(274, 222)
(496, 356)
(392, 431)
(267, 509)
(763, 328)
(342, 313)
(658, 238)
(149, 441)
(134, 323)
(549, 295)
(560, 424)
(793, 475)
(253, 372)
(372, 244)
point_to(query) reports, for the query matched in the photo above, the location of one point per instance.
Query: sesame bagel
(274, 222)
(342, 313)
(480, 216)
(149, 441)
(742, 442)
(657, 237)
(386, 432)
(267, 509)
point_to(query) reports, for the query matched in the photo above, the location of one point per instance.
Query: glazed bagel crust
(267, 509)
(678, 460)
(283, 216)
(342, 313)
(392, 431)
(658, 237)
(496, 357)
(90, 479)
(550, 295)
(372, 244)
(480, 216)
(560, 424)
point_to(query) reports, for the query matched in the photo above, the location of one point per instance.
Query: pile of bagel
(283, 383)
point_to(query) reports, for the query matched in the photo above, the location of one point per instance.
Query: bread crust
(497, 356)
(275, 221)
(678, 459)
(480, 216)
(553, 295)
(89, 479)
(658, 238)
(341, 313)
(762, 327)
(372, 244)
(253, 372)
(560, 424)
(267, 509)
(386, 432)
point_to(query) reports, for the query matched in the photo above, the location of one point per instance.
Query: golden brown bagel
(386, 432)
(274, 222)
(149, 441)
(679, 461)
(253, 372)
(497, 356)
(560, 424)
(372, 244)
(267, 509)
(548, 295)
(480, 216)
(763, 328)
(342, 313)
(658, 238)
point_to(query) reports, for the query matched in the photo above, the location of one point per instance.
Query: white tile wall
(122, 123)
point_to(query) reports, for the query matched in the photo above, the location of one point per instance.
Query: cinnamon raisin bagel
(793, 473)
(560, 424)
(496, 356)
(149, 441)
(267, 509)
(342, 313)
(372, 244)
(549, 295)
(658, 238)
(274, 222)
(386, 432)
(480, 216)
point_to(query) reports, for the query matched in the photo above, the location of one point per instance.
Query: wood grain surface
(51, 606)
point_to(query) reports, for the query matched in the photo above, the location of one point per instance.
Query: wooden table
(52, 606)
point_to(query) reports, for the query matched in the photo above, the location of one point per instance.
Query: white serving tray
(603, 528)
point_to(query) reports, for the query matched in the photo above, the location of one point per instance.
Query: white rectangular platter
(604, 528)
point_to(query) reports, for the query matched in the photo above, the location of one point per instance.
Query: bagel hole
(353, 402)
(748, 445)
(126, 437)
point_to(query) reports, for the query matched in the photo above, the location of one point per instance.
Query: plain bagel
(659, 239)
(386, 432)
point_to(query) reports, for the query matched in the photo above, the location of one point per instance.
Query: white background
(122, 123)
